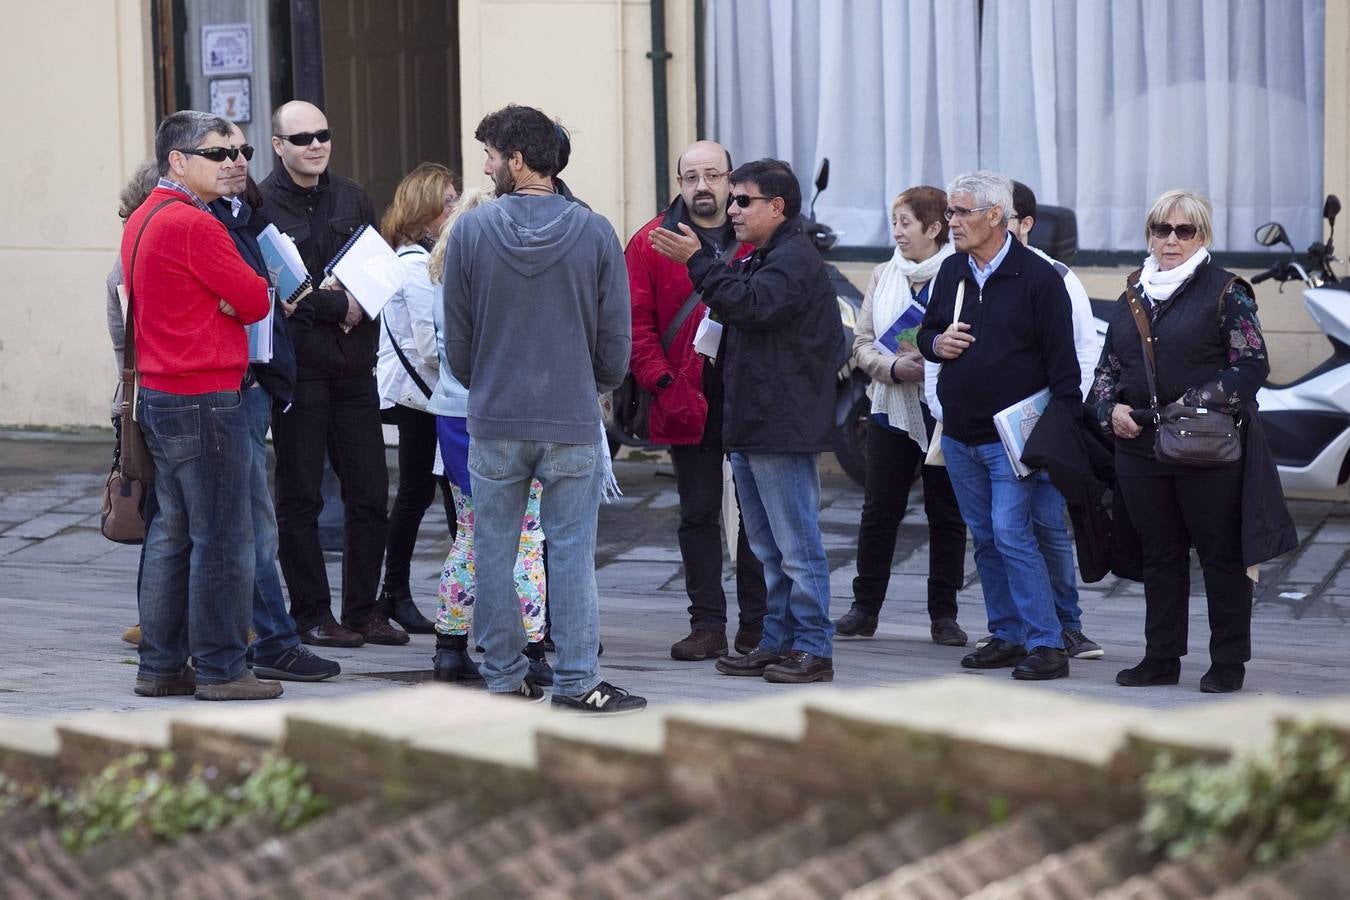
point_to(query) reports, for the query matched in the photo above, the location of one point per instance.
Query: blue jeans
(1052, 534)
(197, 582)
(998, 510)
(501, 471)
(780, 504)
(274, 626)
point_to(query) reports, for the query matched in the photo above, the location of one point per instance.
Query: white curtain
(886, 89)
(1101, 106)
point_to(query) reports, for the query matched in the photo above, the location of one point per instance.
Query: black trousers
(416, 490)
(698, 479)
(342, 416)
(1174, 508)
(894, 460)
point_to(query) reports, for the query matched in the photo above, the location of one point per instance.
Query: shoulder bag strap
(407, 366)
(1145, 338)
(129, 343)
(668, 336)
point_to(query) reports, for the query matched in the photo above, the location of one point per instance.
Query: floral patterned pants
(458, 586)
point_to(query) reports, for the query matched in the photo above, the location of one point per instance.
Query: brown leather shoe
(331, 634)
(700, 644)
(751, 665)
(379, 630)
(800, 667)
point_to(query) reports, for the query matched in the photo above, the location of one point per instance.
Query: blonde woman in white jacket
(406, 371)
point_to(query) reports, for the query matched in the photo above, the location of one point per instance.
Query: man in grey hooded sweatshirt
(537, 324)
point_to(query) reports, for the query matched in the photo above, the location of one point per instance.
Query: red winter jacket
(187, 263)
(659, 287)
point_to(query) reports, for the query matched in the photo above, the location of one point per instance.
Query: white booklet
(708, 337)
(369, 269)
(1015, 425)
(260, 333)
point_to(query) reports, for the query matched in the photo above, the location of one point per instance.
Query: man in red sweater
(191, 295)
(686, 410)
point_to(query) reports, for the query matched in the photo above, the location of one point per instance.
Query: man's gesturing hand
(954, 341)
(678, 247)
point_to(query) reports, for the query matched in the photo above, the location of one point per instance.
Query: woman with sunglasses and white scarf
(901, 425)
(1208, 352)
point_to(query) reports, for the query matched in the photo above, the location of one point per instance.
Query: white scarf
(1159, 285)
(902, 403)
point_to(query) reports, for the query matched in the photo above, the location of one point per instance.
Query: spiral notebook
(284, 264)
(369, 269)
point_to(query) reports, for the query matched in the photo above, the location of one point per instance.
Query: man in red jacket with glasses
(191, 295)
(686, 411)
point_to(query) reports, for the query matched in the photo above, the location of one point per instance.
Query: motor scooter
(1307, 421)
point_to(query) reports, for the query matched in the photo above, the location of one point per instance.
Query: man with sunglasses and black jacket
(336, 406)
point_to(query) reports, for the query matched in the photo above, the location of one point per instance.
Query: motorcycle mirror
(1331, 208)
(1270, 234)
(823, 176)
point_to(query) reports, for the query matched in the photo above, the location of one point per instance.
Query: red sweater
(186, 264)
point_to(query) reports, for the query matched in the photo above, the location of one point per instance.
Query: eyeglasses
(711, 179)
(219, 154)
(743, 200)
(305, 138)
(1161, 230)
(953, 212)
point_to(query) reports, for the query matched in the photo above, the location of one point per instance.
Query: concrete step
(28, 749)
(988, 856)
(1077, 873)
(1317, 874)
(825, 876)
(39, 867)
(1198, 876)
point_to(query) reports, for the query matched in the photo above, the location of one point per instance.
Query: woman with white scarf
(901, 425)
(1209, 353)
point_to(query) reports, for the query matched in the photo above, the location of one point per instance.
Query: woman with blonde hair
(1208, 353)
(450, 404)
(406, 370)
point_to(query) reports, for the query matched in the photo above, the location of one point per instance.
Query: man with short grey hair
(1012, 337)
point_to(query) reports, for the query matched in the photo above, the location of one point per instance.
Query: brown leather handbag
(1187, 435)
(133, 469)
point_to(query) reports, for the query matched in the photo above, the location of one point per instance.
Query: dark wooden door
(391, 86)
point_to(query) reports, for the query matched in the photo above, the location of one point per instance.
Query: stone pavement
(66, 594)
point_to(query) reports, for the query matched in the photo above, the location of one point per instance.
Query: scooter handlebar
(1265, 276)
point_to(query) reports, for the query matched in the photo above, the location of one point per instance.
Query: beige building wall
(77, 122)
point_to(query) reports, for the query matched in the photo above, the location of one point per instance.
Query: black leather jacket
(320, 220)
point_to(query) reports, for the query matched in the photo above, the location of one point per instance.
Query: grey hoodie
(537, 317)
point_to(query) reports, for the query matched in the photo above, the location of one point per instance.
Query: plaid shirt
(175, 186)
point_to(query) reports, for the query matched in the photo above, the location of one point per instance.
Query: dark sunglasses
(1161, 230)
(220, 154)
(305, 138)
(743, 200)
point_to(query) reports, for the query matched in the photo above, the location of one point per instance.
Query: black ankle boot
(452, 662)
(397, 604)
(540, 671)
(1223, 678)
(1151, 672)
(857, 622)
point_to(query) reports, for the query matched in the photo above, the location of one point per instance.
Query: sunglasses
(743, 200)
(220, 154)
(305, 138)
(1161, 230)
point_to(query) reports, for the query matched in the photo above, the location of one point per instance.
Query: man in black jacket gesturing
(336, 406)
(782, 344)
(1013, 336)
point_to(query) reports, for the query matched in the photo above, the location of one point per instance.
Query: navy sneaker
(603, 698)
(295, 664)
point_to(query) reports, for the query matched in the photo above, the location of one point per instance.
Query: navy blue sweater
(1023, 328)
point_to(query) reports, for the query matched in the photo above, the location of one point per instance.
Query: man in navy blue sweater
(1013, 337)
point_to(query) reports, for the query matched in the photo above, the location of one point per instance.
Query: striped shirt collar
(169, 184)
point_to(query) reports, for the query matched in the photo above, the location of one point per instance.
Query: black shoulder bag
(1187, 435)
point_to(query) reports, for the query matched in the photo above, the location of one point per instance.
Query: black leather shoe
(1150, 672)
(1223, 678)
(747, 639)
(751, 665)
(996, 654)
(399, 606)
(947, 633)
(800, 667)
(857, 622)
(452, 666)
(1043, 664)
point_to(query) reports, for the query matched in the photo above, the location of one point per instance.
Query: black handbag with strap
(1186, 435)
